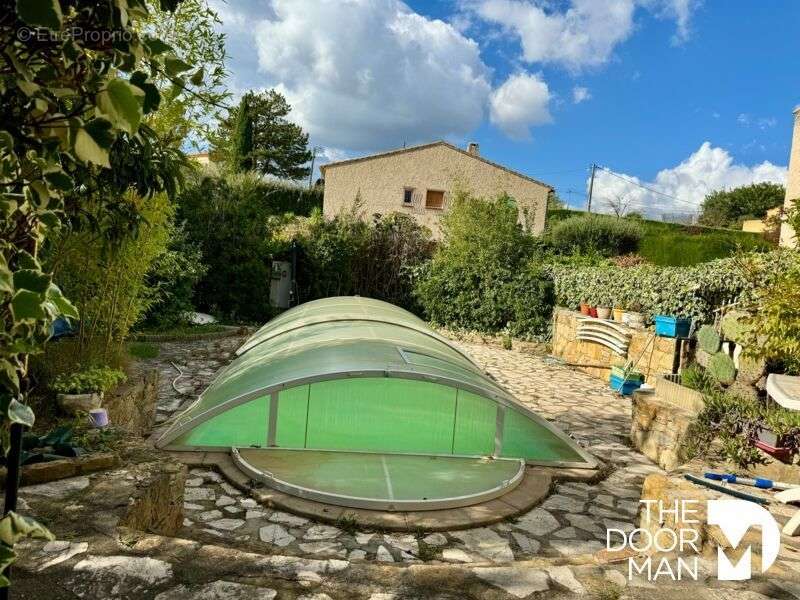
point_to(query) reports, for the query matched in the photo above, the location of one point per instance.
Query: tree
(242, 159)
(71, 107)
(279, 147)
(728, 208)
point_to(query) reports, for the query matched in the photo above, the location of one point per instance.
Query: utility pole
(311, 173)
(591, 189)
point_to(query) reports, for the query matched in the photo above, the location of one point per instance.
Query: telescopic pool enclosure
(357, 402)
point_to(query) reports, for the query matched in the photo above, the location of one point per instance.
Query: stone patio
(554, 549)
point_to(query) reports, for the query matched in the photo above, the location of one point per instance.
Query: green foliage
(671, 244)
(264, 141)
(722, 368)
(487, 273)
(228, 219)
(728, 208)
(108, 281)
(609, 236)
(143, 350)
(695, 377)
(708, 339)
(171, 281)
(348, 256)
(692, 292)
(93, 379)
(773, 325)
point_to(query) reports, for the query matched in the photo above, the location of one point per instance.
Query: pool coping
(536, 485)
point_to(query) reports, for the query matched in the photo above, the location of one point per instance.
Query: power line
(644, 187)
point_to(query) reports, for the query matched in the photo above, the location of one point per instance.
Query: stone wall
(659, 429)
(132, 406)
(654, 355)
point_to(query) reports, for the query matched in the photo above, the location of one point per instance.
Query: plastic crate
(626, 389)
(672, 326)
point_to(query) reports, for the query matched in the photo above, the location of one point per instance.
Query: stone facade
(792, 181)
(132, 406)
(653, 355)
(380, 181)
(659, 430)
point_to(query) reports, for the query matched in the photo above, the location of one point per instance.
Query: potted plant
(603, 307)
(780, 434)
(633, 317)
(584, 307)
(619, 312)
(82, 391)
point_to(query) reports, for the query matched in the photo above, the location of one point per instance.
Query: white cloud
(681, 189)
(371, 74)
(520, 103)
(585, 33)
(580, 94)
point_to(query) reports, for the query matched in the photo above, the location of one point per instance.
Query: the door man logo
(733, 517)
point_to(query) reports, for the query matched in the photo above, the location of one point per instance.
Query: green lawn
(671, 244)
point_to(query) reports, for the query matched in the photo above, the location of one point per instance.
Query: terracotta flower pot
(585, 309)
(593, 311)
(603, 312)
(618, 314)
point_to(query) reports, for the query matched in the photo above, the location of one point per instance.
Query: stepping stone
(63, 550)
(275, 534)
(627, 527)
(321, 532)
(383, 555)
(406, 543)
(198, 493)
(435, 539)
(364, 538)
(564, 576)
(254, 514)
(517, 581)
(357, 555)
(456, 555)
(323, 548)
(538, 522)
(565, 503)
(225, 501)
(227, 524)
(575, 547)
(194, 482)
(134, 574)
(232, 509)
(187, 522)
(287, 519)
(487, 543)
(584, 522)
(248, 503)
(218, 590)
(604, 499)
(58, 489)
(209, 515)
(191, 506)
(526, 544)
(568, 533)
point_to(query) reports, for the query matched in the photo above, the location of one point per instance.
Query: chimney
(472, 148)
(789, 237)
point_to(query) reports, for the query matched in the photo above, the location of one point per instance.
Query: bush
(487, 274)
(605, 235)
(172, 279)
(347, 256)
(107, 281)
(93, 379)
(692, 292)
(228, 218)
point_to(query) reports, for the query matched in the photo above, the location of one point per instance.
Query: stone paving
(547, 550)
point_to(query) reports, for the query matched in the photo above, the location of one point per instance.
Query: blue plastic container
(672, 326)
(626, 389)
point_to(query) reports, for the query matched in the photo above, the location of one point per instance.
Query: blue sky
(681, 96)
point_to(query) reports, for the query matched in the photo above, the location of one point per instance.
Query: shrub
(228, 218)
(695, 377)
(486, 274)
(606, 235)
(692, 292)
(93, 379)
(708, 339)
(722, 368)
(106, 280)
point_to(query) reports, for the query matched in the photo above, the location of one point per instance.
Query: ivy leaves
(40, 13)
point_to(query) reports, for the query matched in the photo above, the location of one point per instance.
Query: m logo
(734, 518)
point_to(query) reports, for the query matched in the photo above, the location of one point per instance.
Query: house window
(434, 199)
(408, 196)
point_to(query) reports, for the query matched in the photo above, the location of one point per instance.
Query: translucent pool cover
(355, 374)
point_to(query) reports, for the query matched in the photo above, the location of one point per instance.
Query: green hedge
(679, 291)
(672, 244)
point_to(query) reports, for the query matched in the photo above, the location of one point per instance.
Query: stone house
(419, 181)
(792, 181)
